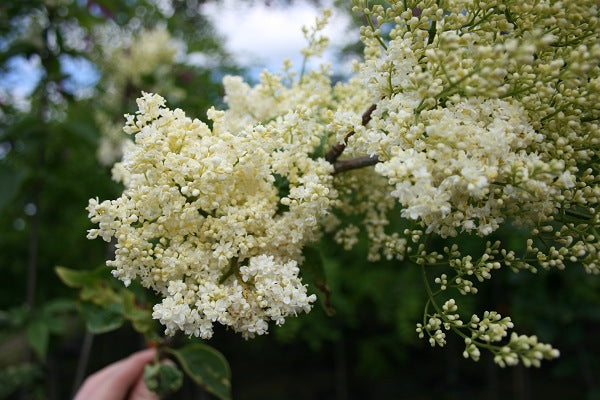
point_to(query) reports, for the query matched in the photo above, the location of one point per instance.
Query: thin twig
(338, 148)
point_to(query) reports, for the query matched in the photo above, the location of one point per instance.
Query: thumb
(141, 392)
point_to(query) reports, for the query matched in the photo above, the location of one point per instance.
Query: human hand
(122, 380)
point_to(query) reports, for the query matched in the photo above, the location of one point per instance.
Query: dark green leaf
(163, 378)
(101, 319)
(38, 336)
(207, 367)
(54, 313)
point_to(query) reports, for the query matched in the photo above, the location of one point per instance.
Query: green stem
(379, 39)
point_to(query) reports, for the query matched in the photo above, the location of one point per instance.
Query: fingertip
(128, 370)
(142, 357)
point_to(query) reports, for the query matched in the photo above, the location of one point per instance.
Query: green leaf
(139, 315)
(207, 367)
(101, 319)
(78, 279)
(142, 322)
(163, 378)
(100, 293)
(59, 306)
(38, 336)
(105, 308)
(315, 272)
(54, 314)
(70, 277)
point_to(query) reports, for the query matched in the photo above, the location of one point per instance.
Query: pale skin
(122, 380)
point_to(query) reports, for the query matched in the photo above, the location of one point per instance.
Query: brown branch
(354, 163)
(338, 148)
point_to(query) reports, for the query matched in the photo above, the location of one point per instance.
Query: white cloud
(264, 36)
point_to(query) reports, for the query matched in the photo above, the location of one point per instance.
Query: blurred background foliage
(59, 132)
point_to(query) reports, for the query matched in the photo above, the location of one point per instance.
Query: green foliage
(101, 319)
(105, 304)
(206, 367)
(82, 279)
(16, 376)
(38, 335)
(38, 325)
(163, 378)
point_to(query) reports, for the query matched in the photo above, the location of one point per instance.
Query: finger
(125, 373)
(113, 381)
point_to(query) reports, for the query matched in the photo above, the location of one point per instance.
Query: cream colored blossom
(481, 114)
(201, 221)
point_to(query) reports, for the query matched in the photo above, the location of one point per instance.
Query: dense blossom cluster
(479, 114)
(202, 222)
(128, 59)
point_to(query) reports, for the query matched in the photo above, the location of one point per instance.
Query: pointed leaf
(207, 367)
(38, 336)
(101, 319)
(76, 279)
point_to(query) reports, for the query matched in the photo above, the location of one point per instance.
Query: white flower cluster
(527, 348)
(485, 332)
(127, 60)
(132, 56)
(467, 167)
(477, 114)
(265, 285)
(202, 222)
(474, 128)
